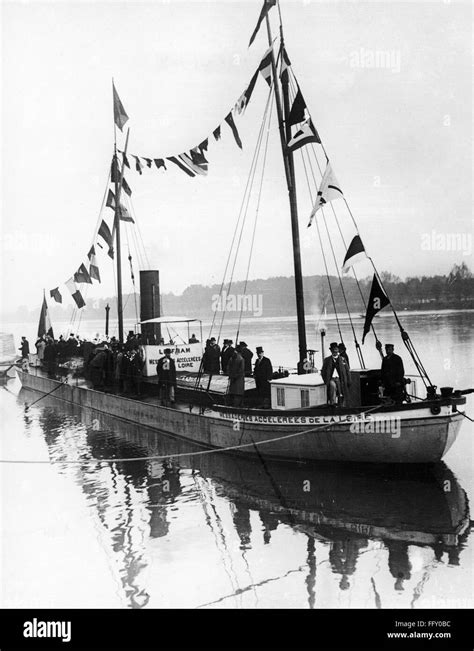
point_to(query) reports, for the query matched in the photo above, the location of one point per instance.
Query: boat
(8, 356)
(364, 424)
(345, 509)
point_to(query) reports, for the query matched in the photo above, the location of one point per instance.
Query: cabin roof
(306, 380)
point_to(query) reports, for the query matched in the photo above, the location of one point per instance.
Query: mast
(290, 181)
(118, 188)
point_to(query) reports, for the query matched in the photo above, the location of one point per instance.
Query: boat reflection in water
(344, 509)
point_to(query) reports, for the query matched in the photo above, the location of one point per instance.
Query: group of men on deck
(337, 377)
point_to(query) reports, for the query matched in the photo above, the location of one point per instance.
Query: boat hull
(407, 437)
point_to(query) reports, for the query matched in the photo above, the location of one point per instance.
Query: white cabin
(298, 391)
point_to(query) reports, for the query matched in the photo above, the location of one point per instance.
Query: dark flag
(217, 133)
(126, 187)
(44, 325)
(120, 115)
(82, 275)
(77, 296)
(198, 157)
(297, 113)
(197, 169)
(110, 203)
(138, 165)
(267, 5)
(230, 121)
(114, 171)
(203, 145)
(55, 293)
(244, 99)
(181, 165)
(125, 216)
(305, 134)
(125, 161)
(285, 64)
(104, 231)
(93, 268)
(148, 161)
(159, 162)
(377, 301)
(355, 252)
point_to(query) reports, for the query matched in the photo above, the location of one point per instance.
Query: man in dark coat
(393, 375)
(263, 373)
(25, 348)
(212, 358)
(336, 377)
(50, 357)
(166, 370)
(236, 373)
(247, 355)
(226, 354)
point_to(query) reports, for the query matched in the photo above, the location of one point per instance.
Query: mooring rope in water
(27, 406)
(187, 454)
(463, 413)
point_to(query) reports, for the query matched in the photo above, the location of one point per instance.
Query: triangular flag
(138, 165)
(355, 252)
(217, 133)
(55, 293)
(267, 5)
(297, 113)
(285, 63)
(82, 275)
(125, 161)
(110, 203)
(378, 299)
(230, 121)
(305, 134)
(104, 232)
(328, 191)
(148, 161)
(159, 162)
(198, 157)
(126, 187)
(203, 145)
(197, 169)
(120, 115)
(265, 66)
(44, 325)
(181, 165)
(244, 99)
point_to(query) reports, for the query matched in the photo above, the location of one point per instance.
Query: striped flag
(328, 191)
(181, 165)
(44, 325)
(93, 268)
(355, 253)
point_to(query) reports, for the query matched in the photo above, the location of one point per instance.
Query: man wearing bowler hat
(336, 376)
(166, 370)
(263, 373)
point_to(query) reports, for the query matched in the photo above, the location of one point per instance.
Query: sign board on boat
(187, 357)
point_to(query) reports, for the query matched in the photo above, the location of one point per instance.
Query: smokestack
(150, 305)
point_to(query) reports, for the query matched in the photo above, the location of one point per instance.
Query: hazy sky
(397, 130)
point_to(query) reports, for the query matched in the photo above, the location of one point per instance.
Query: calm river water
(219, 531)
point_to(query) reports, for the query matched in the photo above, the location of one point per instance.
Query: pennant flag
(265, 67)
(297, 112)
(198, 157)
(305, 134)
(267, 5)
(244, 99)
(125, 160)
(55, 293)
(114, 171)
(148, 161)
(82, 275)
(328, 191)
(75, 293)
(126, 187)
(159, 162)
(377, 301)
(355, 253)
(203, 145)
(125, 216)
(217, 133)
(197, 169)
(138, 165)
(79, 300)
(110, 203)
(285, 63)
(181, 166)
(120, 115)
(104, 232)
(44, 325)
(230, 121)
(93, 268)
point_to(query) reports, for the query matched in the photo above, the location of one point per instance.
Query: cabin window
(280, 397)
(305, 397)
